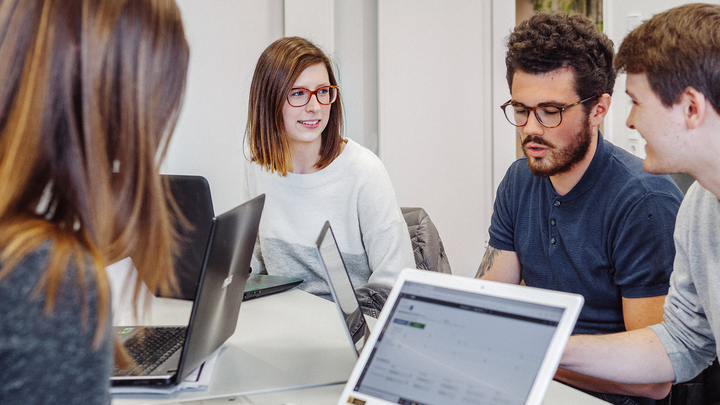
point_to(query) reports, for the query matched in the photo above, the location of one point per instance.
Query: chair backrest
(427, 245)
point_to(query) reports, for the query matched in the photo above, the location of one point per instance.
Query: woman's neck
(306, 155)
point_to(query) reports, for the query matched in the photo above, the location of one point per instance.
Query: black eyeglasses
(549, 116)
(300, 96)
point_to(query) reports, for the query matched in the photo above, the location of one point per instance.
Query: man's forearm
(500, 265)
(487, 261)
(635, 357)
(655, 391)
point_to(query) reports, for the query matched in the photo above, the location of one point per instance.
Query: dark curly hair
(676, 49)
(551, 41)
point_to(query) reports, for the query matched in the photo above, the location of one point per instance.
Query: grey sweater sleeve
(49, 359)
(692, 306)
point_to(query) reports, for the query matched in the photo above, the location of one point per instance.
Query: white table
(287, 340)
(558, 394)
(288, 347)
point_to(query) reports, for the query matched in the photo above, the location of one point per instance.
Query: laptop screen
(341, 287)
(442, 346)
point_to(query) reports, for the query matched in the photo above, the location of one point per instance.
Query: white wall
(356, 59)
(437, 104)
(226, 38)
(421, 82)
(620, 17)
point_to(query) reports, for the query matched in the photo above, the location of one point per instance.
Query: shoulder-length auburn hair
(90, 94)
(277, 70)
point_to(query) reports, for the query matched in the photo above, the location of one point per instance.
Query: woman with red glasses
(311, 174)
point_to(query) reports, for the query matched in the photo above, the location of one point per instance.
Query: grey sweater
(50, 359)
(692, 308)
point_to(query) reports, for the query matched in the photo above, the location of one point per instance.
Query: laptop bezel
(571, 303)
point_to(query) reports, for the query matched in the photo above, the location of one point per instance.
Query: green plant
(590, 8)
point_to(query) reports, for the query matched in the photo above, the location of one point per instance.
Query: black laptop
(166, 355)
(260, 285)
(192, 195)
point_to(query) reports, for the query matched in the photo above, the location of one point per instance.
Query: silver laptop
(341, 288)
(444, 339)
(166, 355)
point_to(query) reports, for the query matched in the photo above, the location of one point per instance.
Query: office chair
(427, 245)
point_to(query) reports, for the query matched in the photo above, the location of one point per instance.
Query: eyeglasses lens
(517, 114)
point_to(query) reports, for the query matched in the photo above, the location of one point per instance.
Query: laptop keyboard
(151, 347)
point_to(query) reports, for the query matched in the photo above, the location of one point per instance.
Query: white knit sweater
(354, 193)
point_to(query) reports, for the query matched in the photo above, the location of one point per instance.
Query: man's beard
(563, 159)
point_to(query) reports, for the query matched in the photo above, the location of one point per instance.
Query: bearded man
(578, 214)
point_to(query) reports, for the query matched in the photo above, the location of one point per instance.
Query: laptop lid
(341, 288)
(260, 285)
(192, 195)
(225, 272)
(219, 294)
(444, 339)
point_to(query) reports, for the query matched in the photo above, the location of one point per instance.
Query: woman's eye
(323, 90)
(297, 93)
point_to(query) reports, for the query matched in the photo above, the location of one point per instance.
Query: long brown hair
(276, 71)
(88, 86)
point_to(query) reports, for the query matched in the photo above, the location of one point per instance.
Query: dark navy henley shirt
(610, 237)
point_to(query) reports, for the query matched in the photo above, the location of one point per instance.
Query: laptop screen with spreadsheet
(439, 344)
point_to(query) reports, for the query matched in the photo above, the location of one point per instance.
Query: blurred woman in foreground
(90, 91)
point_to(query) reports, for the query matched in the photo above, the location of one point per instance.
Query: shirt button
(552, 240)
(556, 203)
(552, 222)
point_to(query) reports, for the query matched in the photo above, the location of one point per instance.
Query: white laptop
(444, 339)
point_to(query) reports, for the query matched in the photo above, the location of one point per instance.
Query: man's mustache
(538, 140)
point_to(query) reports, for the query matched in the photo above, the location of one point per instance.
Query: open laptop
(166, 355)
(192, 195)
(341, 288)
(260, 285)
(444, 339)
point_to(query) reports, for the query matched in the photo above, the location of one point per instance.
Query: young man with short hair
(578, 214)
(673, 67)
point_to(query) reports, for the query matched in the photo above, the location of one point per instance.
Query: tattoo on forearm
(487, 261)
